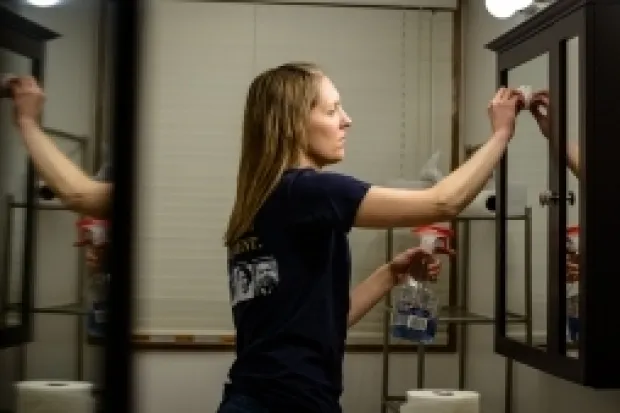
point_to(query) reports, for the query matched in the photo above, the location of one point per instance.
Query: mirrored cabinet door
(526, 170)
(574, 271)
(13, 195)
(22, 50)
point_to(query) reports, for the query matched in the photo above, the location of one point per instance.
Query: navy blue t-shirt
(289, 286)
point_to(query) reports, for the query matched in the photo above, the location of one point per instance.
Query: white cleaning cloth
(526, 91)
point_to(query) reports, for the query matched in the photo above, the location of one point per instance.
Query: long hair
(277, 108)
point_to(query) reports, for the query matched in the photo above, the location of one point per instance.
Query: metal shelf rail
(460, 316)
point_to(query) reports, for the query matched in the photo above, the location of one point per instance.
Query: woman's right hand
(503, 110)
(539, 107)
(28, 98)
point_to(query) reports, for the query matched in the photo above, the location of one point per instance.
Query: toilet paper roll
(54, 397)
(441, 401)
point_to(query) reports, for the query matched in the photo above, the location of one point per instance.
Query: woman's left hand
(417, 263)
(539, 107)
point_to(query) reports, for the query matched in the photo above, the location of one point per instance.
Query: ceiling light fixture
(504, 9)
(43, 3)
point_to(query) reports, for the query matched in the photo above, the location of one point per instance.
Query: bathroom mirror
(22, 50)
(80, 69)
(578, 339)
(574, 270)
(13, 185)
(527, 164)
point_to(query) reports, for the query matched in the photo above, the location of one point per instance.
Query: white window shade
(393, 71)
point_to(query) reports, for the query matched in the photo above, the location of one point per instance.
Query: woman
(76, 190)
(70, 184)
(290, 213)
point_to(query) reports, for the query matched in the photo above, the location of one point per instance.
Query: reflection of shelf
(572, 347)
(66, 135)
(394, 405)
(456, 315)
(51, 206)
(464, 218)
(13, 319)
(64, 309)
(95, 341)
(67, 309)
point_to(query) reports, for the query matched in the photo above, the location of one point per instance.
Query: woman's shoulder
(312, 179)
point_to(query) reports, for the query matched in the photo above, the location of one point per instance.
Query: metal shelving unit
(460, 316)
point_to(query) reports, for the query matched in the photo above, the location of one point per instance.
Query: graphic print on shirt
(252, 272)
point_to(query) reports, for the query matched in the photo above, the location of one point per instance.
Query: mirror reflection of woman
(76, 190)
(540, 109)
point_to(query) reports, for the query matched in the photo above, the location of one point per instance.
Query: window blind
(393, 71)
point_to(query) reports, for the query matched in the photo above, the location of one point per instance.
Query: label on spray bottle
(415, 313)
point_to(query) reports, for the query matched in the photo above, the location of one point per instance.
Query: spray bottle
(572, 287)
(416, 305)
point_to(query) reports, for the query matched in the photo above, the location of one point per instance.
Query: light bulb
(501, 9)
(43, 3)
(521, 4)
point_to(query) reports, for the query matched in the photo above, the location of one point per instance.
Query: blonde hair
(277, 107)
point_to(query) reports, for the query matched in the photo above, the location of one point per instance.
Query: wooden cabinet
(579, 40)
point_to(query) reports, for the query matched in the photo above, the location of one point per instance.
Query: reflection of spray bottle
(572, 286)
(93, 233)
(415, 311)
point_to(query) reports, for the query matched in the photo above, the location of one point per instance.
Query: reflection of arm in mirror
(539, 106)
(77, 191)
(392, 208)
(414, 262)
(572, 157)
